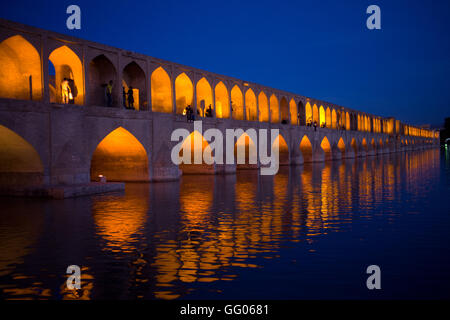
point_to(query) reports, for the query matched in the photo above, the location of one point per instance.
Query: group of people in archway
(127, 96)
(189, 113)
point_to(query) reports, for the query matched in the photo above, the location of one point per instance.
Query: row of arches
(120, 156)
(22, 78)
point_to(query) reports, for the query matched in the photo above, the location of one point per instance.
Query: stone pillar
(244, 116)
(118, 89)
(229, 103)
(174, 94)
(257, 107)
(194, 96)
(213, 99)
(45, 74)
(149, 86)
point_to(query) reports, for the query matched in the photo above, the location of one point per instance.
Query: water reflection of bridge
(166, 238)
(44, 142)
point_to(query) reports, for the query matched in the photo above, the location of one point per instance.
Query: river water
(309, 232)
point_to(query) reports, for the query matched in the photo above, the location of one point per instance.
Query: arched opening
(20, 164)
(21, 76)
(315, 114)
(328, 117)
(120, 157)
(380, 143)
(161, 91)
(250, 106)
(293, 112)
(284, 110)
(326, 147)
(184, 92)
(347, 122)
(190, 144)
(237, 103)
(306, 149)
(274, 109)
(301, 114)
(263, 107)
(354, 147)
(341, 147)
(134, 83)
(222, 104)
(245, 144)
(283, 150)
(204, 98)
(68, 77)
(322, 117)
(364, 144)
(333, 119)
(101, 72)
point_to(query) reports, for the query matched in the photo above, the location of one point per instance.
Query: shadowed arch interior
(134, 76)
(101, 71)
(284, 110)
(20, 164)
(161, 91)
(21, 76)
(120, 157)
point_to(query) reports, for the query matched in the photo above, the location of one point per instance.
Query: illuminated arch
(222, 103)
(133, 76)
(263, 107)
(294, 112)
(284, 110)
(373, 144)
(308, 114)
(274, 109)
(20, 163)
(306, 149)
(120, 157)
(67, 65)
(315, 114)
(161, 88)
(19, 60)
(189, 144)
(237, 103)
(380, 143)
(101, 71)
(250, 151)
(184, 92)
(322, 117)
(347, 122)
(283, 150)
(326, 147)
(204, 96)
(364, 144)
(250, 106)
(341, 146)
(354, 146)
(328, 117)
(333, 119)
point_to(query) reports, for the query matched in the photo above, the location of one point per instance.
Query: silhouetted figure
(208, 112)
(109, 88)
(315, 126)
(130, 98)
(65, 91)
(124, 97)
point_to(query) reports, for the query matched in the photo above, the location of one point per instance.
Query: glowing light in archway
(222, 103)
(250, 106)
(204, 96)
(184, 92)
(306, 149)
(283, 150)
(263, 107)
(161, 91)
(326, 147)
(274, 109)
(237, 103)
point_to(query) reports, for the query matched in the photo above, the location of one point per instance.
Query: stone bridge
(45, 142)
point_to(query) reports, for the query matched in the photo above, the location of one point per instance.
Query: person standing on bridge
(109, 88)
(130, 98)
(315, 125)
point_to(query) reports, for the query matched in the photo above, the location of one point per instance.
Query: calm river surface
(308, 232)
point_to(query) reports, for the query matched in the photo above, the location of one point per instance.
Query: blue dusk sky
(320, 49)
